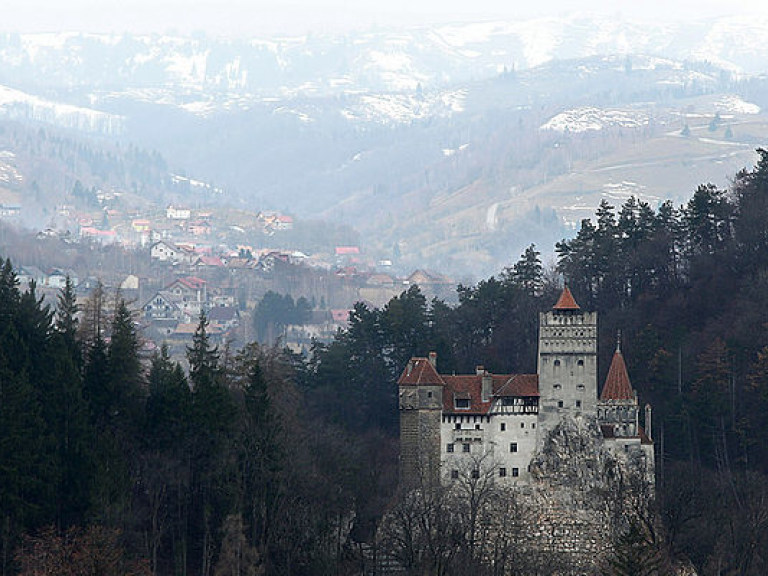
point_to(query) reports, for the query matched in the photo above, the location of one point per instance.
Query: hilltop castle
(451, 425)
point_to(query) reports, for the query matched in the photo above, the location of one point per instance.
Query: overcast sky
(250, 17)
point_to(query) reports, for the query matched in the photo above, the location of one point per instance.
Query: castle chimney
(433, 359)
(648, 421)
(479, 370)
(487, 384)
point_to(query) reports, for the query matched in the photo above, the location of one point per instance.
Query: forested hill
(257, 461)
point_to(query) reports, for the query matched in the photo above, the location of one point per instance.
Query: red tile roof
(617, 385)
(419, 371)
(341, 316)
(566, 301)
(192, 282)
(465, 386)
(516, 385)
(471, 386)
(210, 261)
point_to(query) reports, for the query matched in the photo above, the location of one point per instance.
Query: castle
(452, 426)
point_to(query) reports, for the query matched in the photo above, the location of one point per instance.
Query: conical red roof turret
(617, 384)
(566, 301)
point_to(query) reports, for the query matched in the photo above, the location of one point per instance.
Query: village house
(224, 317)
(57, 278)
(199, 228)
(27, 274)
(163, 251)
(181, 301)
(177, 213)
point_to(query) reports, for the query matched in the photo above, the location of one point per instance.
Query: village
(173, 264)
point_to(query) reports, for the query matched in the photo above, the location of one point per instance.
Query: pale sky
(253, 17)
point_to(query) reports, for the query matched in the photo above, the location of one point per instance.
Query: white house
(175, 213)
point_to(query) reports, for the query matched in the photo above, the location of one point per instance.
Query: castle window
(449, 448)
(475, 473)
(560, 404)
(503, 426)
(557, 386)
(578, 403)
(462, 403)
(477, 426)
(465, 447)
(429, 394)
(458, 425)
(513, 446)
(522, 424)
(533, 425)
(580, 362)
(502, 472)
(515, 472)
(454, 474)
(580, 387)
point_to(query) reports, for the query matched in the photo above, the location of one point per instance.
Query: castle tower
(618, 406)
(567, 364)
(618, 413)
(420, 390)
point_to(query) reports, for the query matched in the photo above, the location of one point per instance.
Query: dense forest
(115, 460)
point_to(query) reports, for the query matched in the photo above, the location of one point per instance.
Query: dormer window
(461, 403)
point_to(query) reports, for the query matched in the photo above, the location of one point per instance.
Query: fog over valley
(367, 288)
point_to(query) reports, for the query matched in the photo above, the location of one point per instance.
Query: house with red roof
(454, 426)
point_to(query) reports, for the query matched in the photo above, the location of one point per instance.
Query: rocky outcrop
(581, 495)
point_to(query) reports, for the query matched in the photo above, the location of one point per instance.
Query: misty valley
(477, 298)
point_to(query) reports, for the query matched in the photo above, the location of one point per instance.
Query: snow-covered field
(16, 104)
(589, 119)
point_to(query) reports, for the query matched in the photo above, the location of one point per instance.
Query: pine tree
(26, 470)
(212, 418)
(527, 273)
(260, 455)
(66, 412)
(67, 310)
(124, 370)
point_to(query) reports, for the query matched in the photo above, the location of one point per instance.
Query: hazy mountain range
(451, 146)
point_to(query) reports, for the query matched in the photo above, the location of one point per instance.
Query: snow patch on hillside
(9, 174)
(405, 108)
(735, 105)
(183, 180)
(16, 104)
(589, 119)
